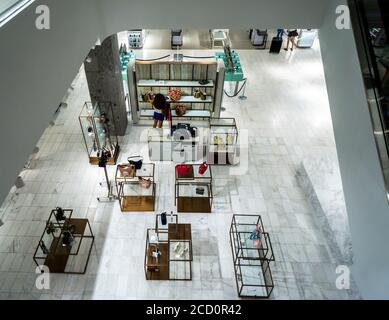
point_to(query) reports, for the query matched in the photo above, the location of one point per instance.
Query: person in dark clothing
(292, 34)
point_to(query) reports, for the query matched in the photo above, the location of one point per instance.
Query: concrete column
(103, 73)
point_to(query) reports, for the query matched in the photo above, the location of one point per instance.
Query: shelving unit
(133, 197)
(252, 257)
(161, 76)
(174, 84)
(187, 199)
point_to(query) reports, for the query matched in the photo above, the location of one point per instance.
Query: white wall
(363, 183)
(36, 68)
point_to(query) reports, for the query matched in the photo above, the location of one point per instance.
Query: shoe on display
(177, 247)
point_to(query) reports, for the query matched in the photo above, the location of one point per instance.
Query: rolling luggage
(276, 45)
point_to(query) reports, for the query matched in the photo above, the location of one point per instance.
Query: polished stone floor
(287, 119)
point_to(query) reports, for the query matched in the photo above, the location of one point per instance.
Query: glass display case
(193, 190)
(98, 128)
(252, 253)
(223, 139)
(136, 189)
(168, 252)
(66, 243)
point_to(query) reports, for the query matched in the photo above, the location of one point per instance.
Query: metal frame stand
(243, 95)
(110, 196)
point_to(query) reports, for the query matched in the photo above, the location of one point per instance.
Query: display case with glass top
(136, 187)
(252, 253)
(168, 252)
(223, 139)
(98, 128)
(193, 188)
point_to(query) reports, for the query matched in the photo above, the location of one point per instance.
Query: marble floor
(287, 119)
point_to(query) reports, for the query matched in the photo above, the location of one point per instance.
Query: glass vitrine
(223, 140)
(193, 190)
(98, 128)
(252, 253)
(169, 253)
(136, 192)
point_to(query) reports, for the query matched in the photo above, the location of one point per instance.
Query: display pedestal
(168, 254)
(60, 256)
(193, 191)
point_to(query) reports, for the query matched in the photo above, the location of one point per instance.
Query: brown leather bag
(181, 110)
(127, 170)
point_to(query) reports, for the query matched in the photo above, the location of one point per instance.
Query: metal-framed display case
(193, 191)
(98, 129)
(169, 253)
(223, 139)
(133, 193)
(252, 253)
(66, 243)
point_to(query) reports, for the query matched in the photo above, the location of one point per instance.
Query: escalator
(370, 20)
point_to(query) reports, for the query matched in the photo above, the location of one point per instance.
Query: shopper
(292, 34)
(280, 33)
(161, 109)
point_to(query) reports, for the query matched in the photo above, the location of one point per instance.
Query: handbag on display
(181, 110)
(148, 97)
(175, 94)
(127, 170)
(144, 183)
(163, 218)
(203, 168)
(199, 95)
(59, 214)
(44, 248)
(136, 161)
(183, 169)
(200, 191)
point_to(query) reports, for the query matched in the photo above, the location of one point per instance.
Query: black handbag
(136, 161)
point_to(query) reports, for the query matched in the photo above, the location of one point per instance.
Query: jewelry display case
(193, 190)
(66, 243)
(99, 131)
(136, 191)
(223, 139)
(252, 253)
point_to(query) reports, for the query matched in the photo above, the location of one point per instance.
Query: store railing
(10, 8)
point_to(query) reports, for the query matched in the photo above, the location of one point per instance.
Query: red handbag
(183, 169)
(203, 168)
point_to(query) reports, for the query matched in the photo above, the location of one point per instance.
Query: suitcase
(276, 45)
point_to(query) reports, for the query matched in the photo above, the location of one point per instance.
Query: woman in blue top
(161, 109)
